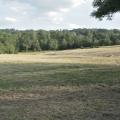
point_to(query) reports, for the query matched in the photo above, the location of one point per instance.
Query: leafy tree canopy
(105, 8)
(13, 41)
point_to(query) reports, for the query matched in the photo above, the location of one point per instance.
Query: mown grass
(23, 76)
(59, 92)
(64, 85)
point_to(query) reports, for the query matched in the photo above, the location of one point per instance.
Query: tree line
(13, 41)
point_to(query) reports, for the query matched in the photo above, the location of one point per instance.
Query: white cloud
(18, 8)
(55, 17)
(14, 9)
(64, 9)
(76, 2)
(50, 14)
(10, 19)
(73, 26)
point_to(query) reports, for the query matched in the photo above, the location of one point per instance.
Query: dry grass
(104, 55)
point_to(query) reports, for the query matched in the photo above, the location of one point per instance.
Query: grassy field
(81, 84)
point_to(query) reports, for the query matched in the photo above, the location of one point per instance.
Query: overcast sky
(51, 14)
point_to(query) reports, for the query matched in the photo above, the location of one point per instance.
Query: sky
(51, 15)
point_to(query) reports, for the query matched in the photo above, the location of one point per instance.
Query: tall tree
(12, 41)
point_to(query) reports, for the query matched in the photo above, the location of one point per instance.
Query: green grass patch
(18, 76)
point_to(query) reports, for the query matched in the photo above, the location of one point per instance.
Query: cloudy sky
(51, 14)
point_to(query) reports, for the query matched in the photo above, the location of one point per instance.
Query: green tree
(43, 37)
(35, 45)
(52, 44)
(12, 41)
(105, 8)
(62, 44)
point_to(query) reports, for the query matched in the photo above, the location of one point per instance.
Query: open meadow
(79, 84)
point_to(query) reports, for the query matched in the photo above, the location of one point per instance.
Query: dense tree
(13, 41)
(105, 8)
(52, 44)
